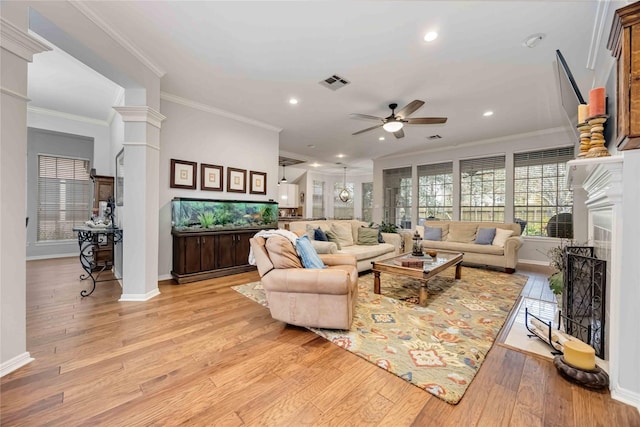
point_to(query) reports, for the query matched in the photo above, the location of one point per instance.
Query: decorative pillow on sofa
(367, 236)
(501, 237)
(282, 253)
(343, 233)
(308, 254)
(320, 235)
(333, 238)
(463, 233)
(485, 236)
(432, 233)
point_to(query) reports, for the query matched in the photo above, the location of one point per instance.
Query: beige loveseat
(364, 254)
(460, 236)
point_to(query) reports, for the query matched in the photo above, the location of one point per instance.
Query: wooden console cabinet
(207, 254)
(624, 43)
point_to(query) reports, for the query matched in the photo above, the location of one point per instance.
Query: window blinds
(554, 155)
(436, 169)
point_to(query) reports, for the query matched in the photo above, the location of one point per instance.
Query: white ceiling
(249, 58)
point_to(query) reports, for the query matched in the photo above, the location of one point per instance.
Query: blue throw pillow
(432, 233)
(320, 235)
(308, 254)
(485, 236)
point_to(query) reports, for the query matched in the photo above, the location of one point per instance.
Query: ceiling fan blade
(366, 117)
(426, 120)
(368, 129)
(408, 109)
(399, 134)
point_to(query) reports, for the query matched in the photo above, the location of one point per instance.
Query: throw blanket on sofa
(268, 233)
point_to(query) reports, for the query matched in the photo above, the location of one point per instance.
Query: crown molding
(68, 116)
(10, 92)
(19, 42)
(84, 8)
(141, 144)
(209, 109)
(140, 113)
(599, 27)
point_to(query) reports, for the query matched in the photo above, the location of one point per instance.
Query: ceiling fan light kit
(396, 121)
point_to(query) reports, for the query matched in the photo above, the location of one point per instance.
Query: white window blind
(435, 191)
(482, 189)
(63, 196)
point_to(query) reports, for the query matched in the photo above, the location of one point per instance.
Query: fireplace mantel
(600, 177)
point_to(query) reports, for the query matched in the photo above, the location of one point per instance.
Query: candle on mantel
(596, 102)
(583, 113)
(580, 355)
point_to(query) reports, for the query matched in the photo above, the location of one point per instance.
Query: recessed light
(311, 145)
(487, 113)
(381, 138)
(430, 36)
(340, 156)
(293, 101)
(315, 164)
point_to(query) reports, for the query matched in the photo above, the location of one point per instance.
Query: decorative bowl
(432, 253)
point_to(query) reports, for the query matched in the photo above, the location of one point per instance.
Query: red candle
(596, 102)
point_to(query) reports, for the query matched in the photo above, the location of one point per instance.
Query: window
(318, 199)
(367, 201)
(482, 189)
(342, 210)
(541, 193)
(63, 196)
(397, 196)
(435, 191)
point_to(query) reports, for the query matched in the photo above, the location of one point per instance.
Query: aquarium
(206, 214)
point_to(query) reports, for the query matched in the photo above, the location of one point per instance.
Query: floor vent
(334, 82)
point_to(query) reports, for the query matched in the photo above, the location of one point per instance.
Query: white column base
(140, 297)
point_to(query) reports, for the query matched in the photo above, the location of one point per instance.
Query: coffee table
(429, 268)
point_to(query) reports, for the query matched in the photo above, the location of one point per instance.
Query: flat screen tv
(570, 95)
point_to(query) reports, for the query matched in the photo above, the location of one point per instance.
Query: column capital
(19, 42)
(140, 113)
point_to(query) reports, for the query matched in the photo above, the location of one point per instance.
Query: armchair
(322, 298)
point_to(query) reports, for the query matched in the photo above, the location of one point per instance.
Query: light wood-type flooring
(202, 354)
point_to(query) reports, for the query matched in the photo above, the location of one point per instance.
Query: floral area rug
(438, 348)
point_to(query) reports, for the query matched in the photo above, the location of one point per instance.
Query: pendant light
(344, 195)
(284, 178)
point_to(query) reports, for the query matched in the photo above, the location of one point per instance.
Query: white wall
(203, 137)
(534, 249)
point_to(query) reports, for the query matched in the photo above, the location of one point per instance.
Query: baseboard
(625, 396)
(140, 297)
(533, 262)
(37, 257)
(165, 277)
(17, 362)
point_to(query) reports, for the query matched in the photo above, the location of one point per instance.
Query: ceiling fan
(395, 122)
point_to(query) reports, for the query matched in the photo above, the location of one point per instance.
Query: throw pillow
(485, 236)
(463, 233)
(333, 238)
(308, 254)
(432, 233)
(320, 235)
(282, 253)
(501, 237)
(343, 233)
(367, 236)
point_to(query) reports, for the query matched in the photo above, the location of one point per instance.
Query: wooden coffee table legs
(459, 270)
(376, 282)
(424, 293)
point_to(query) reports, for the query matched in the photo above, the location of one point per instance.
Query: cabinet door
(283, 195)
(191, 254)
(293, 195)
(634, 82)
(242, 246)
(102, 189)
(225, 250)
(207, 253)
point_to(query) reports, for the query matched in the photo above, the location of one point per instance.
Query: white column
(140, 208)
(17, 48)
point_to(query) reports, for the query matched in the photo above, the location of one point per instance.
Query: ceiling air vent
(334, 82)
(434, 137)
(288, 161)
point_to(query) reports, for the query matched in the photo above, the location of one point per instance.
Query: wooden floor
(202, 354)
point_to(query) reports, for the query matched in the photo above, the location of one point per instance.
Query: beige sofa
(460, 236)
(364, 254)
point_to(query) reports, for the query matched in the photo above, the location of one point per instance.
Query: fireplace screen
(583, 301)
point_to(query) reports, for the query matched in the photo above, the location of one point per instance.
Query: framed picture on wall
(183, 174)
(236, 180)
(119, 190)
(211, 177)
(257, 182)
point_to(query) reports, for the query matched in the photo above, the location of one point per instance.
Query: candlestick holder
(597, 148)
(585, 138)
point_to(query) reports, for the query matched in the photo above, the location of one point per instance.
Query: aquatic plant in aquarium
(197, 214)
